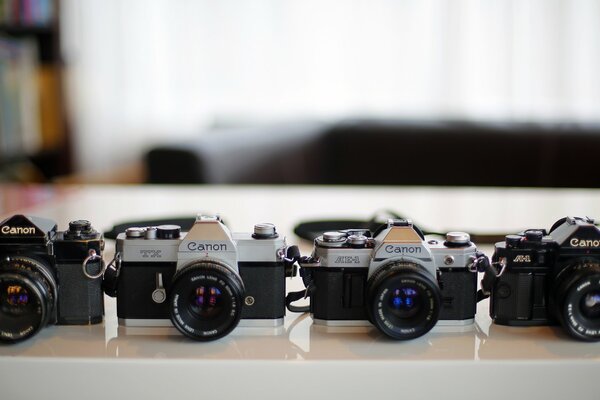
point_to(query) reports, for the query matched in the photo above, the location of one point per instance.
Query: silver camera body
(358, 279)
(202, 281)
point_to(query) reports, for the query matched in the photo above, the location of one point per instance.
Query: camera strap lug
(289, 255)
(93, 256)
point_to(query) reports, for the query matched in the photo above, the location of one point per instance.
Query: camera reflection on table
(549, 342)
(61, 341)
(299, 339)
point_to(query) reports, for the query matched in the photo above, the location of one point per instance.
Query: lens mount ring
(93, 256)
(205, 322)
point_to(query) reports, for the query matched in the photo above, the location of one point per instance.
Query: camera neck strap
(111, 276)
(490, 274)
(295, 296)
(309, 285)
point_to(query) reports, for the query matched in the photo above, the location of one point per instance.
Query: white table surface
(301, 360)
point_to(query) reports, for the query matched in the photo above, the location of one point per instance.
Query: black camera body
(203, 281)
(48, 276)
(548, 278)
(394, 279)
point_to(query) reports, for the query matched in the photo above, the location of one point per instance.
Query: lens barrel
(577, 299)
(403, 300)
(205, 300)
(27, 298)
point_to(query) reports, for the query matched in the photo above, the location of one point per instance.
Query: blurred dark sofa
(385, 152)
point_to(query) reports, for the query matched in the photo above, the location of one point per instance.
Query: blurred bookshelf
(34, 135)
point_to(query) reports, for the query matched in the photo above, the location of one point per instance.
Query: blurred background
(426, 92)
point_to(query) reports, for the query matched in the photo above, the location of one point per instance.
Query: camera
(395, 279)
(548, 278)
(204, 281)
(48, 276)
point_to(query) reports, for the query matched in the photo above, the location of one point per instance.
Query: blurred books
(32, 127)
(19, 99)
(26, 13)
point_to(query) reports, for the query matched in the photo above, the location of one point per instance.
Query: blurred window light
(143, 69)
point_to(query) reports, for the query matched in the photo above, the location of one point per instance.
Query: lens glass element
(207, 302)
(14, 299)
(405, 302)
(590, 304)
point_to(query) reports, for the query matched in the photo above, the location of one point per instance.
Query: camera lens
(578, 300)
(403, 300)
(206, 299)
(27, 293)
